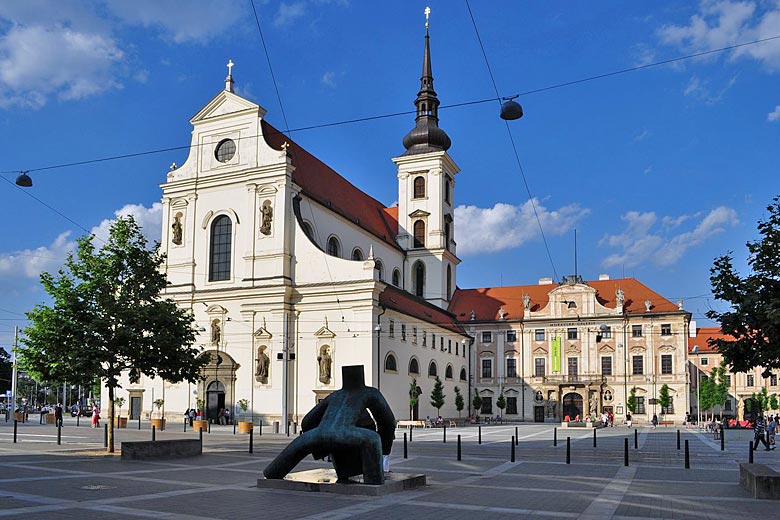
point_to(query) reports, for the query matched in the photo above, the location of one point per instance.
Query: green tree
(773, 402)
(414, 397)
(501, 401)
(752, 320)
(107, 317)
(476, 402)
(761, 399)
(459, 403)
(437, 395)
(6, 370)
(664, 399)
(706, 394)
(721, 390)
(631, 403)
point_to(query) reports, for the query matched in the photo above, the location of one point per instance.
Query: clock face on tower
(225, 150)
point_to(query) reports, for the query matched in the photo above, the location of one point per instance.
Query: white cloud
(289, 12)
(148, 219)
(639, 244)
(504, 226)
(723, 23)
(329, 79)
(774, 115)
(641, 136)
(37, 62)
(180, 20)
(700, 90)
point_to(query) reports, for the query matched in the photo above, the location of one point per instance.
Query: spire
(426, 136)
(229, 79)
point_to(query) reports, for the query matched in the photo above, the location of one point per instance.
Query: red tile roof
(333, 191)
(703, 334)
(486, 302)
(406, 303)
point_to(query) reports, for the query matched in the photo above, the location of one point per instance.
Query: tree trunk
(110, 419)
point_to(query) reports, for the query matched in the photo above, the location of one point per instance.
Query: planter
(120, 422)
(245, 426)
(200, 425)
(49, 418)
(159, 424)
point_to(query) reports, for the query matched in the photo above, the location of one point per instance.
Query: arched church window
(396, 277)
(419, 187)
(414, 366)
(357, 254)
(380, 270)
(433, 370)
(308, 230)
(419, 279)
(419, 233)
(447, 191)
(463, 374)
(449, 281)
(390, 363)
(447, 227)
(448, 372)
(221, 241)
(225, 150)
(334, 248)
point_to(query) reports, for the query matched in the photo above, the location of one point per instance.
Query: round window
(225, 151)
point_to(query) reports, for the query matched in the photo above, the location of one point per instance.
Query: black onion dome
(426, 136)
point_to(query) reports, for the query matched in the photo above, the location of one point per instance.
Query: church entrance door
(572, 405)
(215, 400)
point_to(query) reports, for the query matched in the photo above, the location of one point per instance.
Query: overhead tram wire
(514, 146)
(410, 112)
(270, 68)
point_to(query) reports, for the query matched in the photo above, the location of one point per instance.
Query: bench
(411, 424)
(168, 449)
(760, 481)
(665, 423)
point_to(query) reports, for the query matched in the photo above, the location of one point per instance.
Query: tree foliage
(761, 399)
(437, 395)
(459, 403)
(107, 317)
(501, 401)
(753, 320)
(6, 370)
(476, 402)
(664, 399)
(631, 403)
(773, 402)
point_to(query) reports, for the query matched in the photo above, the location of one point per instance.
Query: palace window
(511, 405)
(640, 405)
(666, 364)
(539, 368)
(419, 187)
(511, 336)
(666, 329)
(487, 368)
(403, 332)
(773, 380)
(571, 333)
(511, 367)
(751, 380)
(636, 331)
(606, 365)
(419, 233)
(539, 335)
(637, 365)
(487, 337)
(705, 361)
(487, 406)
(606, 333)
(221, 243)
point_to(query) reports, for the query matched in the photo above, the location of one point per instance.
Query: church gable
(226, 103)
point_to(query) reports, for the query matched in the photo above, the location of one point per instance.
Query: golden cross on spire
(427, 14)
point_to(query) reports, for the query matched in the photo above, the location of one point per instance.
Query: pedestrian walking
(771, 428)
(58, 415)
(759, 434)
(655, 420)
(95, 416)
(628, 419)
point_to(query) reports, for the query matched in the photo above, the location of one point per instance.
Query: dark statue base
(324, 481)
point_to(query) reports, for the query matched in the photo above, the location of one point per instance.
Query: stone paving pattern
(39, 479)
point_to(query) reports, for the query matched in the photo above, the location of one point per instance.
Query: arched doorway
(215, 399)
(572, 405)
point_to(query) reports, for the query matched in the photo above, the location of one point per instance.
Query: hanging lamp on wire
(511, 110)
(24, 180)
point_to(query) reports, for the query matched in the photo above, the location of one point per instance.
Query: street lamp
(695, 351)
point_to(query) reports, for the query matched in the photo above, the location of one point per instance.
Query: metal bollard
(260, 428)
(555, 436)
(444, 437)
(139, 420)
(594, 437)
(750, 448)
(568, 450)
(459, 458)
(105, 436)
(78, 416)
(517, 437)
(411, 429)
(512, 453)
(636, 439)
(687, 456)
(751, 457)
(406, 450)
(59, 434)
(722, 439)
(234, 427)
(678, 439)
(251, 441)
(200, 435)
(185, 425)
(209, 426)
(479, 439)
(154, 436)
(625, 452)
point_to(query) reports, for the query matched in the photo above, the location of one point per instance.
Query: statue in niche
(177, 230)
(550, 408)
(325, 362)
(527, 302)
(594, 404)
(263, 362)
(267, 217)
(216, 332)
(338, 427)
(620, 297)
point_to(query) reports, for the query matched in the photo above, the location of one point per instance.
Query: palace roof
(703, 335)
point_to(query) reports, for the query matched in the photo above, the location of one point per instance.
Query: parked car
(83, 411)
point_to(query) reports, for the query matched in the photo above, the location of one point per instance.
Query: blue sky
(659, 170)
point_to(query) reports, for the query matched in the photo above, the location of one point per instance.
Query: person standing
(95, 416)
(771, 427)
(759, 434)
(58, 415)
(655, 420)
(628, 419)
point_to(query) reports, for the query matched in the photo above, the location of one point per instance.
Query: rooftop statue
(338, 427)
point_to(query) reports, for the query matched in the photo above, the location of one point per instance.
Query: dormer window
(225, 150)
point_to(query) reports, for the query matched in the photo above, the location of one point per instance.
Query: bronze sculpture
(340, 426)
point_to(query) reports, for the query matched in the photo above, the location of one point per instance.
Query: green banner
(556, 355)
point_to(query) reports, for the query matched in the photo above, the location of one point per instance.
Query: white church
(292, 272)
